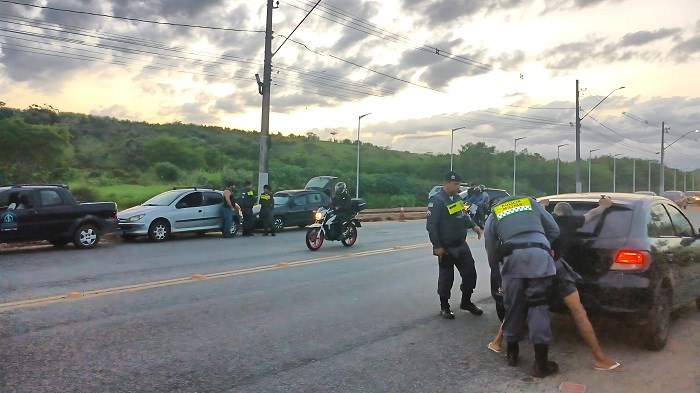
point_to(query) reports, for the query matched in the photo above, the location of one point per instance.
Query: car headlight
(136, 218)
(318, 216)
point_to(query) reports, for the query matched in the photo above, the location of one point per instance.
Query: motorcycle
(327, 227)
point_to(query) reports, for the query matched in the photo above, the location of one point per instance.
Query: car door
(211, 209)
(188, 213)
(19, 224)
(685, 260)
(662, 239)
(297, 209)
(56, 215)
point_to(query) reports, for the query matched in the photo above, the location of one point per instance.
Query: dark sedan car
(295, 207)
(638, 261)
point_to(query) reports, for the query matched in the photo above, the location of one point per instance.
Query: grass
(125, 195)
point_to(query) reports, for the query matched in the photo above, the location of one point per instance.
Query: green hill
(127, 162)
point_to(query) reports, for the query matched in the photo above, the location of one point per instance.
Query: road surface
(204, 314)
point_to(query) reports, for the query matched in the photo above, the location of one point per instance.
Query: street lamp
(578, 133)
(562, 145)
(589, 167)
(515, 150)
(357, 179)
(664, 129)
(615, 171)
(452, 142)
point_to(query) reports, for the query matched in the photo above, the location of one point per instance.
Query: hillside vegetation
(127, 162)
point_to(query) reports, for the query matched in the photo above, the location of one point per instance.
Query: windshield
(164, 199)
(280, 199)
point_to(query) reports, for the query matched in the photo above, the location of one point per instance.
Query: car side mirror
(181, 205)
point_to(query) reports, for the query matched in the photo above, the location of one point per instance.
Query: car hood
(136, 210)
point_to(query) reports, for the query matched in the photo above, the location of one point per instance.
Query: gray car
(187, 210)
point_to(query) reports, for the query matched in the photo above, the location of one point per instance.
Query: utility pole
(634, 175)
(662, 170)
(578, 143)
(264, 89)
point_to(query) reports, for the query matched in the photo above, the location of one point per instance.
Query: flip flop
(614, 367)
(492, 348)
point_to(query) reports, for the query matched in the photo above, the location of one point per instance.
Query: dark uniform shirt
(247, 199)
(447, 222)
(267, 203)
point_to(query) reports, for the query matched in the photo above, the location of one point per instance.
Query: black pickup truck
(49, 212)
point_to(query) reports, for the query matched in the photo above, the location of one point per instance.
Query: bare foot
(496, 347)
(607, 364)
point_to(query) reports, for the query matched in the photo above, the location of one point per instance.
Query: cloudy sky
(500, 68)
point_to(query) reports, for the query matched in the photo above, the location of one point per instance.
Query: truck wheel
(159, 230)
(659, 320)
(86, 236)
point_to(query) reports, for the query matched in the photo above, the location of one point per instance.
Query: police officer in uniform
(519, 232)
(447, 225)
(247, 201)
(267, 205)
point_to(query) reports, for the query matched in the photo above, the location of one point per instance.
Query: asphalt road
(281, 318)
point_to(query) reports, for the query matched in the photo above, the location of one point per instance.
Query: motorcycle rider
(479, 200)
(341, 204)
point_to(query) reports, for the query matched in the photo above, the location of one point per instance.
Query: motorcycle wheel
(314, 239)
(352, 237)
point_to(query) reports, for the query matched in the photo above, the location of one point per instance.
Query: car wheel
(659, 320)
(159, 230)
(86, 236)
(59, 243)
(234, 228)
(278, 223)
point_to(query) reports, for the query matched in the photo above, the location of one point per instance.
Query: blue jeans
(227, 213)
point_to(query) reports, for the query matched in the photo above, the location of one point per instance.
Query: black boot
(445, 311)
(543, 367)
(512, 353)
(467, 305)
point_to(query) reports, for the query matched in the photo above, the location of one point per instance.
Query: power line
(132, 19)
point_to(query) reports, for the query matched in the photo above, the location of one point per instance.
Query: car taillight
(631, 260)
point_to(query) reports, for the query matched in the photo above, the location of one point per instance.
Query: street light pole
(615, 172)
(452, 142)
(589, 168)
(515, 150)
(558, 147)
(649, 186)
(634, 175)
(578, 133)
(357, 178)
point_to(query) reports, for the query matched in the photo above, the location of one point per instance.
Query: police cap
(452, 176)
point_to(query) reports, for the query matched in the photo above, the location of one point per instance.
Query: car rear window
(615, 222)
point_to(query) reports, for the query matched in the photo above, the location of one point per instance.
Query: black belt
(506, 249)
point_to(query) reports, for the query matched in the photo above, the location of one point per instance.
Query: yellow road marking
(75, 295)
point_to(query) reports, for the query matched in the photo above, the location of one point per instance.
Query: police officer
(247, 201)
(447, 227)
(267, 205)
(519, 232)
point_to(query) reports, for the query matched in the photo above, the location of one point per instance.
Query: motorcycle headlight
(136, 218)
(318, 216)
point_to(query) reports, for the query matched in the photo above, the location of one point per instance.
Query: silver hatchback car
(186, 210)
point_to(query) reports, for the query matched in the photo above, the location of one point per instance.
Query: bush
(167, 171)
(84, 194)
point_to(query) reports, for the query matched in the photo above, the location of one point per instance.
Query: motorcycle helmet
(340, 188)
(482, 188)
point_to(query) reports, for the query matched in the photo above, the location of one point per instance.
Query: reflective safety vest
(514, 216)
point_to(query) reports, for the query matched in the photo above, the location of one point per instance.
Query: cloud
(442, 12)
(644, 37)
(684, 50)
